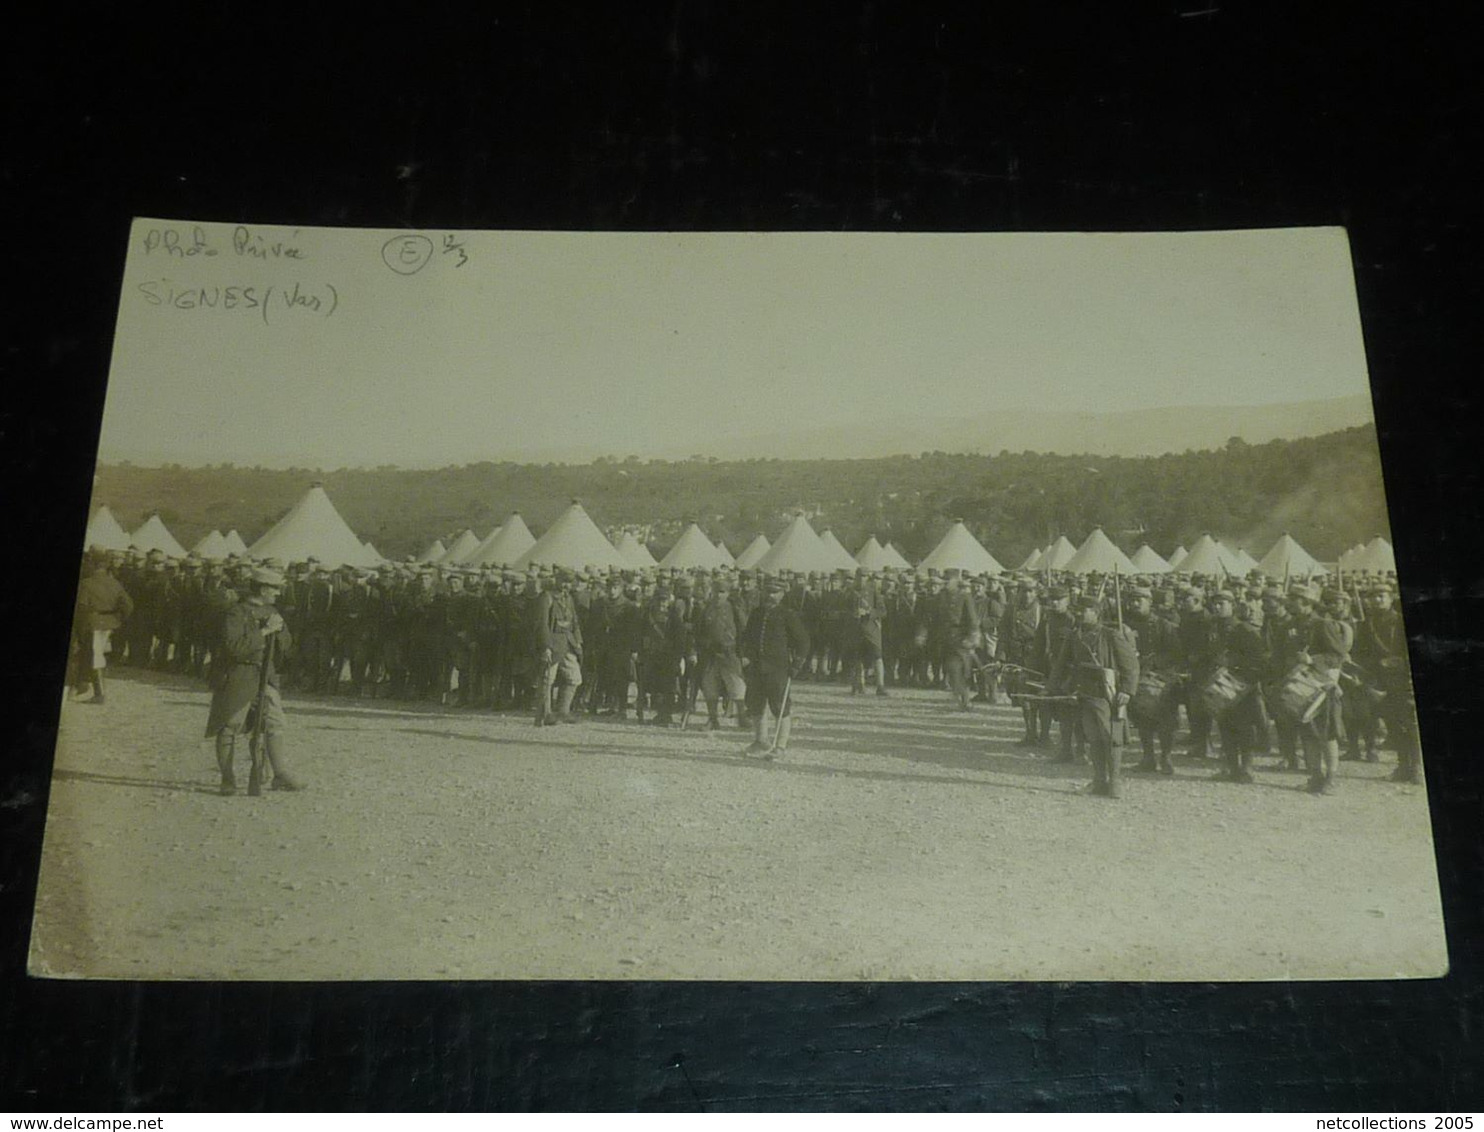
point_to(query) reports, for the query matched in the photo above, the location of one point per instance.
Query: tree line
(1325, 490)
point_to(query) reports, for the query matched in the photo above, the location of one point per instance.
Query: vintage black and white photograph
(737, 606)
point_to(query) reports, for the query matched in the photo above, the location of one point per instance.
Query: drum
(1223, 692)
(1149, 700)
(1303, 693)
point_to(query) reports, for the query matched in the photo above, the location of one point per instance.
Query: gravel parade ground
(896, 840)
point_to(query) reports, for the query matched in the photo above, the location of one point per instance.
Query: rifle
(257, 736)
(1118, 598)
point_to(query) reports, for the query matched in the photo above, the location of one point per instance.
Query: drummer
(1235, 647)
(1156, 639)
(1326, 648)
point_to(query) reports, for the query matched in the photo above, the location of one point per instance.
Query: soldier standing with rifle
(244, 680)
(1099, 664)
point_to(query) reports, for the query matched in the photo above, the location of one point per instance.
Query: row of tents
(314, 529)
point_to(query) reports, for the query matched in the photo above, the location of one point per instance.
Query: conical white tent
(105, 533)
(1098, 555)
(434, 553)
(1177, 558)
(1031, 561)
(312, 529)
(373, 556)
(796, 550)
(1146, 560)
(153, 536)
(213, 546)
(693, 550)
(873, 556)
(1377, 557)
(235, 545)
(1208, 556)
(573, 542)
(462, 549)
(1057, 555)
(839, 555)
(754, 553)
(959, 550)
(1287, 559)
(1245, 562)
(727, 557)
(504, 547)
(895, 560)
(635, 552)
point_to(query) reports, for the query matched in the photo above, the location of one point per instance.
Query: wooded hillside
(1326, 490)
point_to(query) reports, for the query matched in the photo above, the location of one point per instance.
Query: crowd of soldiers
(563, 643)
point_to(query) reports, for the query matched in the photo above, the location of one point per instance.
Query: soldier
(775, 644)
(659, 655)
(628, 636)
(559, 639)
(990, 597)
(717, 628)
(683, 638)
(1360, 702)
(1327, 648)
(1384, 650)
(1099, 664)
(1225, 642)
(247, 630)
(421, 639)
(1192, 636)
(899, 635)
(863, 645)
(102, 607)
(958, 636)
(1155, 637)
(1056, 623)
(1018, 637)
(459, 617)
(1276, 630)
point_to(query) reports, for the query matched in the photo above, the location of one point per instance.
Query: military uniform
(958, 637)
(558, 637)
(775, 644)
(717, 629)
(253, 639)
(1155, 636)
(1099, 664)
(103, 606)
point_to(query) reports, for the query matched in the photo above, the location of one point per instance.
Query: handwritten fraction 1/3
(410, 252)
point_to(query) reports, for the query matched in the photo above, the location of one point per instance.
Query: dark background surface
(1168, 115)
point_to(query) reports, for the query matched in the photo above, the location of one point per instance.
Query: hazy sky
(553, 345)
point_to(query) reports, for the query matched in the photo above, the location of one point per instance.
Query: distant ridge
(1114, 432)
(1132, 432)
